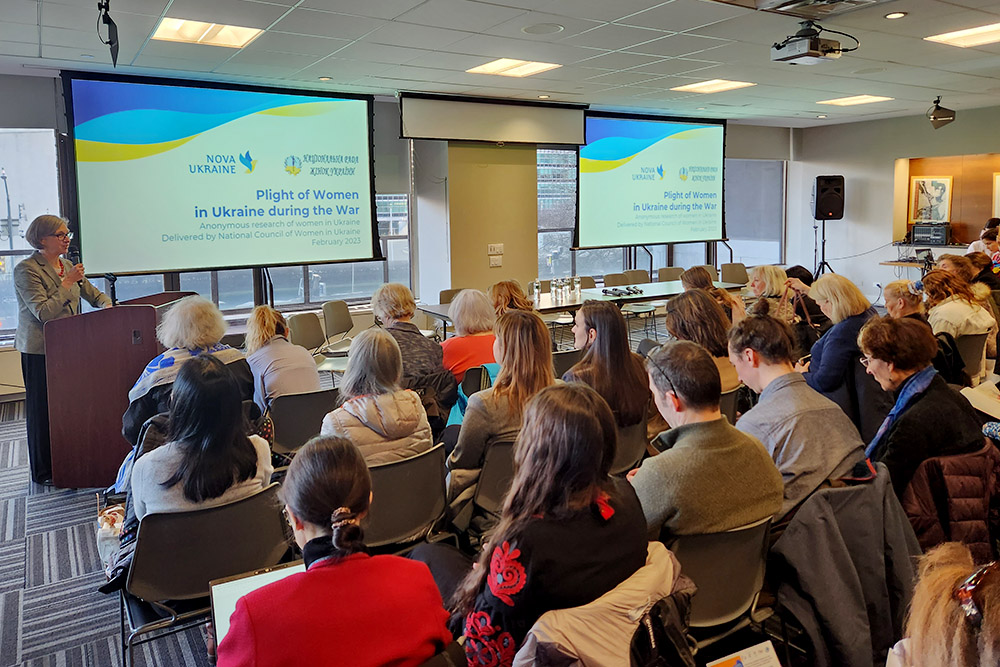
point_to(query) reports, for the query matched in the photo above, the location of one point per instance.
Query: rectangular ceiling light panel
(198, 32)
(512, 67)
(713, 86)
(984, 34)
(856, 99)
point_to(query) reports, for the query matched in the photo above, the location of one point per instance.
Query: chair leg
(121, 611)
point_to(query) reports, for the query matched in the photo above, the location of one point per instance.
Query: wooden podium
(91, 362)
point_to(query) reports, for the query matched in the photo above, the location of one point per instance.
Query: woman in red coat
(347, 608)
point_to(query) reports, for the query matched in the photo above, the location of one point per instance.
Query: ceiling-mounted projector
(938, 115)
(806, 47)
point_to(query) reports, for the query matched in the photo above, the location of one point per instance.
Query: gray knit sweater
(712, 478)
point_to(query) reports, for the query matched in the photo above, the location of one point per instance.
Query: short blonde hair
(263, 324)
(193, 322)
(901, 289)
(42, 226)
(772, 276)
(393, 301)
(472, 312)
(844, 296)
(374, 365)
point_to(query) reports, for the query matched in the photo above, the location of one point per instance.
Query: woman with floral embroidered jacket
(568, 532)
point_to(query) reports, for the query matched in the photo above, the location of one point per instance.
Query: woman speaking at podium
(48, 287)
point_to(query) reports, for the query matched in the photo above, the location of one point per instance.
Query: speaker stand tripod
(823, 266)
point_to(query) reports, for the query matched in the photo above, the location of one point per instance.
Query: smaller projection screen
(178, 177)
(646, 180)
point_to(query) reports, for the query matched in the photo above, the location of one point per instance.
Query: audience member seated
(904, 299)
(209, 460)
(609, 365)
(954, 618)
(190, 328)
(385, 422)
(805, 305)
(524, 350)
(953, 308)
(928, 418)
(712, 478)
(423, 359)
(508, 295)
(336, 612)
(473, 317)
(698, 277)
(836, 352)
(987, 242)
(696, 317)
(568, 532)
(767, 283)
(982, 264)
(809, 437)
(963, 267)
(279, 367)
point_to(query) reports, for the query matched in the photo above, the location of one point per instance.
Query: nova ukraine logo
(248, 162)
(683, 173)
(659, 170)
(223, 164)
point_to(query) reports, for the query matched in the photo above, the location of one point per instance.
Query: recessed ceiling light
(892, 16)
(713, 86)
(326, 78)
(543, 97)
(512, 67)
(821, 116)
(88, 56)
(856, 99)
(197, 32)
(984, 34)
(542, 29)
(701, 108)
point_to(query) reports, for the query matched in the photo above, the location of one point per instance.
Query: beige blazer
(41, 297)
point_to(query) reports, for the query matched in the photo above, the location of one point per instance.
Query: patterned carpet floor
(51, 614)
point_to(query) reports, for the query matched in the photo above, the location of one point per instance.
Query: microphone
(73, 255)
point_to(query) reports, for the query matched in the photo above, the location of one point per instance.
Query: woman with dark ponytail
(347, 608)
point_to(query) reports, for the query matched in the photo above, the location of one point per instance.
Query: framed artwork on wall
(996, 194)
(930, 199)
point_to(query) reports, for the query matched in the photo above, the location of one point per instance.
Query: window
(756, 228)
(557, 217)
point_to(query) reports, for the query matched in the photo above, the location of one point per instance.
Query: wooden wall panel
(971, 189)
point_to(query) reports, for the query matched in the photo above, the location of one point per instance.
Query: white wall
(30, 101)
(865, 154)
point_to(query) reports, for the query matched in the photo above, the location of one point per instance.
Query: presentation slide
(183, 178)
(651, 181)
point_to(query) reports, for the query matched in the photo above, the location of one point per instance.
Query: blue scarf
(915, 385)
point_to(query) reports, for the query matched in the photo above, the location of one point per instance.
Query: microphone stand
(112, 279)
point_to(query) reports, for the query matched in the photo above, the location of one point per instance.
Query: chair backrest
(727, 568)
(727, 403)
(735, 272)
(337, 318)
(544, 286)
(496, 476)
(305, 329)
(711, 271)
(177, 554)
(408, 497)
(635, 276)
(669, 273)
(631, 446)
(615, 279)
(646, 345)
(587, 282)
(971, 347)
(565, 360)
(476, 379)
(446, 295)
(298, 417)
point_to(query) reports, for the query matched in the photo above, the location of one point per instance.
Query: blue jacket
(834, 352)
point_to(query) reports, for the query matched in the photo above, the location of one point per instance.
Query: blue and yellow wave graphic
(619, 141)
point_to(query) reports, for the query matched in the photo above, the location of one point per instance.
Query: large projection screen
(173, 176)
(647, 180)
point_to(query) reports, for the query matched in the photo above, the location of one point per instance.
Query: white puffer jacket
(388, 427)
